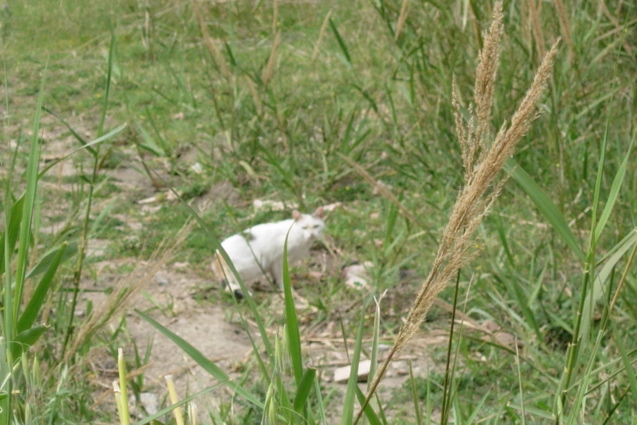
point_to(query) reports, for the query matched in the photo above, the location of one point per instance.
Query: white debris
(341, 374)
(261, 204)
(169, 195)
(196, 168)
(357, 275)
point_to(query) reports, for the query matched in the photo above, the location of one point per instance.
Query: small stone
(149, 403)
(399, 368)
(356, 275)
(341, 374)
(196, 168)
(161, 279)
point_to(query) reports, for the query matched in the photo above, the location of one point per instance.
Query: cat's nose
(238, 294)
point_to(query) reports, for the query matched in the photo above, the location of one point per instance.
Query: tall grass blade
(202, 360)
(448, 394)
(71, 130)
(92, 180)
(545, 206)
(628, 363)
(109, 74)
(27, 338)
(598, 290)
(522, 300)
(68, 250)
(87, 145)
(596, 199)
(341, 43)
(375, 341)
(352, 383)
(288, 177)
(26, 222)
(303, 389)
(614, 193)
(368, 411)
(10, 235)
(282, 407)
(149, 143)
(414, 395)
(627, 269)
(32, 309)
(291, 320)
(320, 404)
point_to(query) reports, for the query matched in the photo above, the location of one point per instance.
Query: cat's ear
(318, 213)
(296, 215)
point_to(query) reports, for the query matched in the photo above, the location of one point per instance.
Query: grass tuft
(482, 165)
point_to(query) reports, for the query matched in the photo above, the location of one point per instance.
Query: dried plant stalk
(535, 22)
(326, 21)
(402, 17)
(127, 287)
(268, 72)
(483, 165)
(486, 72)
(210, 44)
(565, 28)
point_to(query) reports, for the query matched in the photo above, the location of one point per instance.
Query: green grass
(277, 126)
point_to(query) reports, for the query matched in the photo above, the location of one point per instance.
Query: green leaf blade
(545, 206)
(201, 360)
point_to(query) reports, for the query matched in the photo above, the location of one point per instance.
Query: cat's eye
(316, 226)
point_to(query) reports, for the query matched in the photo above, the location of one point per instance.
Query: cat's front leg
(233, 287)
(277, 275)
(225, 276)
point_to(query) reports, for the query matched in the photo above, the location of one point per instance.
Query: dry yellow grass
(483, 164)
(211, 45)
(126, 287)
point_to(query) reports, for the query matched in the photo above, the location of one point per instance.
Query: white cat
(259, 250)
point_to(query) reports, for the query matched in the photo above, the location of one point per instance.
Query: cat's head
(311, 225)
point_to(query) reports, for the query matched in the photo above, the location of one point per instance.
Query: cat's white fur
(259, 250)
